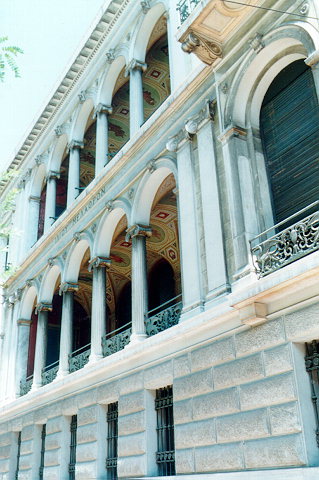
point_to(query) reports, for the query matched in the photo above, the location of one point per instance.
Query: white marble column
(138, 235)
(213, 232)
(189, 242)
(74, 171)
(41, 343)
(99, 312)
(22, 352)
(50, 200)
(7, 348)
(67, 289)
(102, 141)
(135, 69)
(33, 223)
(241, 198)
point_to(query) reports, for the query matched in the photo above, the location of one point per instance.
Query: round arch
(57, 154)
(143, 31)
(107, 226)
(81, 119)
(110, 78)
(73, 262)
(27, 303)
(38, 179)
(282, 46)
(48, 283)
(147, 189)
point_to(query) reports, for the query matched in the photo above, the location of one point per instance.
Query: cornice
(75, 72)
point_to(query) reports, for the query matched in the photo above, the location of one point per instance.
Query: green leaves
(7, 58)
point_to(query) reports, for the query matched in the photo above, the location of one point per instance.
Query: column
(50, 200)
(102, 141)
(7, 348)
(190, 256)
(313, 62)
(135, 69)
(213, 232)
(239, 189)
(74, 171)
(179, 61)
(41, 343)
(22, 352)
(98, 321)
(32, 230)
(138, 235)
(67, 289)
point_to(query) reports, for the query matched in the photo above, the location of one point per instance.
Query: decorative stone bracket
(253, 314)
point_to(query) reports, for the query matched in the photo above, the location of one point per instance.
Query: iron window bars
(43, 435)
(312, 367)
(165, 455)
(112, 436)
(18, 456)
(73, 428)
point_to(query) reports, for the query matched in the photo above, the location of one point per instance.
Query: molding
(99, 262)
(102, 108)
(138, 231)
(313, 59)
(68, 287)
(203, 48)
(75, 144)
(43, 307)
(135, 65)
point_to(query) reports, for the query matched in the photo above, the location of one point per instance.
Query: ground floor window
(165, 455)
(73, 428)
(112, 436)
(43, 434)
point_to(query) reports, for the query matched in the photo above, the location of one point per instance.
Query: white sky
(50, 33)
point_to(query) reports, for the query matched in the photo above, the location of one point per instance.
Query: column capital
(43, 307)
(313, 59)
(138, 231)
(34, 198)
(145, 4)
(205, 50)
(24, 322)
(99, 262)
(102, 108)
(75, 144)
(135, 65)
(52, 175)
(68, 287)
(174, 143)
(233, 131)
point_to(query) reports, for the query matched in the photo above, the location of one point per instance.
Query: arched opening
(156, 78)
(163, 260)
(87, 155)
(53, 337)
(124, 305)
(42, 210)
(32, 341)
(289, 121)
(118, 120)
(62, 186)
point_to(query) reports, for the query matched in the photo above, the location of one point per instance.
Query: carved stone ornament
(151, 166)
(130, 193)
(102, 108)
(75, 144)
(304, 9)
(50, 262)
(256, 42)
(145, 4)
(138, 230)
(29, 283)
(135, 64)
(59, 130)
(82, 96)
(77, 236)
(110, 55)
(205, 50)
(99, 262)
(109, 206)
(93, 228)
(313, 59)
(191, 125)
(68, 287)
(172, 144)
(39, 159)
(43, 307)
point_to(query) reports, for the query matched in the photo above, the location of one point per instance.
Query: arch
(147, 189)
(27, 303)
(110, 78)
(50, 278)
(38, 180)
(73, 262)
(57, 154)
(81, 120)
(282, 46)
(144, 30)
(107, 226)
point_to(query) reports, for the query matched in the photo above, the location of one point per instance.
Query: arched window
(161, 284)
(124, 306)
(289, 125)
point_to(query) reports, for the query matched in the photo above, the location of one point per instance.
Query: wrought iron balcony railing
(185, 8)
(164, 316)
(50, 372)
(115, 341)
(25, 385)
(278, 246)
(79, 358)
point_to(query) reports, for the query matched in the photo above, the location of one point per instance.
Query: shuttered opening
(289, 122)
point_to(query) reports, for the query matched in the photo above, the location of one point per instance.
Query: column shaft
(50, 203)
(136, 100)
(74, 175)
(139, 287)
(66, 335)
(213, 234)
(32, 230)
(40, 349)
(98, 325)
(101, 157)
(190, 259)
(22, 352)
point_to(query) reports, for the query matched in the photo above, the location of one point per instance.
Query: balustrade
(288, 244)
(50, 372)
(163, 318)
(79, 358)
(185, 8)
(25, 385)
(115, 341)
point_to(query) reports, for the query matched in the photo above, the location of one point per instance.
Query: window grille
(18, 456)
(112, 435)
(312, 367)
(165, 455)
(43, 434)
(73, 427)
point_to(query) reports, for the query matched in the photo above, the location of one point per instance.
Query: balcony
(25, 385)
(115, 341)
(165, 316)
(79, 358)
(279, 245)
(50, 372)
(207, 25)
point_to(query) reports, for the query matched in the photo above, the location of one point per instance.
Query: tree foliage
(7, 58)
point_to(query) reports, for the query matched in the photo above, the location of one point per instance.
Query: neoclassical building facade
(160, 308)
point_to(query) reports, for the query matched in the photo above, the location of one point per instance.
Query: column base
(35, 387)
(136, 338)
(93, 358)
(191, 310)
(61, 374)
(220, 291)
